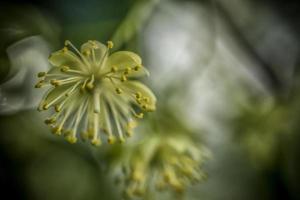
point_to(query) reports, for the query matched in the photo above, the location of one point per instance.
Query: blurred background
(227, 69)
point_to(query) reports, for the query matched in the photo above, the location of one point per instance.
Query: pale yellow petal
(144, 92)
(94, 50)
(65, 58)
(123, 60)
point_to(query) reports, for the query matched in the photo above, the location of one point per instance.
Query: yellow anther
(139, 101)
(111, 140)
(54, 83)
(96, 142)
(118, 90)
(114, 69)
(139, 116)
(146, 99)
(50, 121)
(123, 78)
(64, 68)
(145, 107)
(39, 84)
(57, 108)
(137, 68)
(90, 86)
(137, 175)
(86, 53)
(110, 44)
(127, 70)
(65, 50)
(71, 139)
(45, 106)
(56, 130)
(121, 140)
(132, 124)
(138, 95)
(67, 42)
(41, 74)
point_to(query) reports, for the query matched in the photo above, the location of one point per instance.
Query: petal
(93, 46)
(66, 58)
(125, 59)
(145, 92)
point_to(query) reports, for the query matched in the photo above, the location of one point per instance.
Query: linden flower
(161, 163)
(93, 91)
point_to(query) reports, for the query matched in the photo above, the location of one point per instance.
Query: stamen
(96, 96)
(114, 69)
(90, 84)
(57, 130)
(119, 90)
(96, 140)
(111, 139)
(110, 44)
(67, 42)
(123, 78)
(72, 90)
(83, 85)
(41, 74)
(48, 104)
(119, 130)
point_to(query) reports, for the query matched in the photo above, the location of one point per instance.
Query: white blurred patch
(28, 57)
(178, 38)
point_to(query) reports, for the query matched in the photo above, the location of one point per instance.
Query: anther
(118, 90)
(139, 116)
(145, 106)
(57, 108)
(138, 95)
(110, 44)
(146, 99)
(121, 140)
(65, 50)
(71, 139)
(90, 86)
(39, 84)
(45, 106)
(137, 68)
(64, 68)
(87, 53)
(50, 121)
(96, 142)
(67, 42)
(56, 130)
(127, 70)
(41, 74)
(111, 140)
(123, 78)
(114, 69)
(54, 83)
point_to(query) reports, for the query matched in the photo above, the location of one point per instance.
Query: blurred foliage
(18, 22)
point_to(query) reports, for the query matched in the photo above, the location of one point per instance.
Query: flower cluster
(92, 91)
(160, 163)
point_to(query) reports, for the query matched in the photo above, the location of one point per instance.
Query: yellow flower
(93, 91)
(160, 163)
